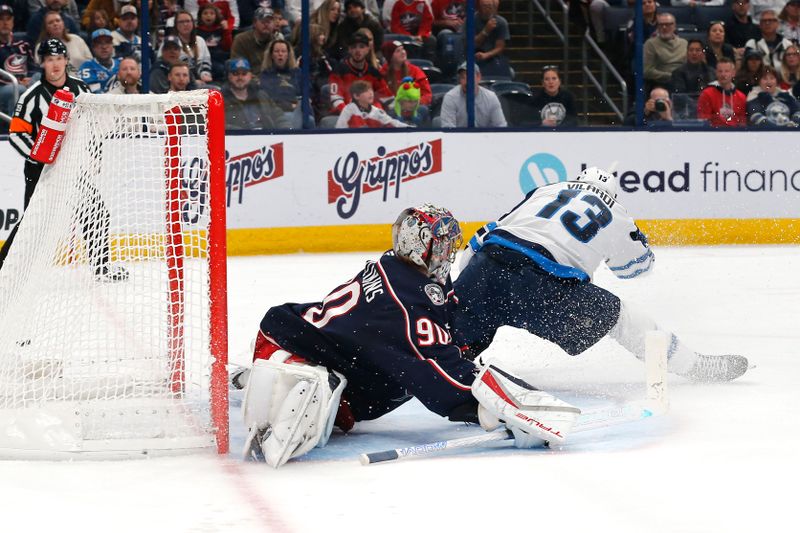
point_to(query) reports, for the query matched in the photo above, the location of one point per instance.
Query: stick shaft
(589, 419)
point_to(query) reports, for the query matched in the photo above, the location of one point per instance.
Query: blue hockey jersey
(97, 76)
(388, 331)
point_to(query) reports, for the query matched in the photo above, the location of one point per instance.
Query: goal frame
(215, 346)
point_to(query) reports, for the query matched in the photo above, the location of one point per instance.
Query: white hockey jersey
(579, 224)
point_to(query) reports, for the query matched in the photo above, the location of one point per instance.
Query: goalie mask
(599, 178)
(429, 237)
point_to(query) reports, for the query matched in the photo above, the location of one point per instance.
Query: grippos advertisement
(368, 178)
(278, 181)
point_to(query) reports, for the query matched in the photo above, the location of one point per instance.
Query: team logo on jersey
(435, 293)
(352, 176)
(541, 169)
(252, 168)
(16, 64)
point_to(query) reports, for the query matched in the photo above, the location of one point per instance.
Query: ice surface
(724, 460)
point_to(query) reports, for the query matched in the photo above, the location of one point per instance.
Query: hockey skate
(717, 368)
(111, 274)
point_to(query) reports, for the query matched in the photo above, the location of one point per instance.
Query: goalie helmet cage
(113, 328)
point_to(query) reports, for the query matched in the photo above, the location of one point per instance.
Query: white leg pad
(292, 406)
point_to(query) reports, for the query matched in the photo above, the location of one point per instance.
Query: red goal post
(98, 365)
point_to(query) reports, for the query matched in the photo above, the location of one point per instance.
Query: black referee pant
(33, 169)
(95, 228)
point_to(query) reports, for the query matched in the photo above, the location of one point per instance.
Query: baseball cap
(172, 40)
(347, 3)
(102, 32)
(263, 13)
(388, 48)
(6, 9)
(358, 38)
(128, 10)
(239, 63)
(463, 66)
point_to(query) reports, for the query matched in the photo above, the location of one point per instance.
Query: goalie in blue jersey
(532, 269)
(375, 342)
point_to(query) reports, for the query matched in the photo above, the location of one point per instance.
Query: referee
(31, 108)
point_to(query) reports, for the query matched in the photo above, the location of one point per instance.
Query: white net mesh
(104, 296)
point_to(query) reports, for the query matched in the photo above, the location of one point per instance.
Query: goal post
(113, 300)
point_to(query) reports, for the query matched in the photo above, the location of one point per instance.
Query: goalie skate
(717, 368)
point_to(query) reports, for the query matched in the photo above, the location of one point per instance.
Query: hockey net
(112, 299)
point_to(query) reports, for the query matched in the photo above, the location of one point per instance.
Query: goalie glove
(533, 416)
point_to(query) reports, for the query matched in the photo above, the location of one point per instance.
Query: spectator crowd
(724, 63)
(401, 63)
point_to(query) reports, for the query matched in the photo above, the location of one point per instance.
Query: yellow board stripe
(378, 236)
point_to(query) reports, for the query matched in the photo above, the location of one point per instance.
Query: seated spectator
(491, 34)
(98, 71)
(693, 76)
(98, 20)
(758, 7)
(768, 105)
(663, 53)
(246, 106)
(790, 21)
(36, 22)
(415, 19)
(716, 47)
(650, 19)
(407, 106)
(790, 68)
(320, 69)
(109, 7)
(356, 17)
(721, 103)
(128, 79)
(327, 16)
(360, 113)
(449, 15)
(252, 43)
(126, 38)
(194, 51)
(77, 50)
(397, 68)
(178, 77)
(218, 39)
(488, 112)
(739, 27)
(352, 68)
(372, 54)
(745, 78)
(280, 79)
(170, 54)
(228, 9)
(772, 44)
(554, 105)
(16, 57)
(657, 110)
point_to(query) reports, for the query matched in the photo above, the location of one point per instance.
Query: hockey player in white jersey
(532, 269)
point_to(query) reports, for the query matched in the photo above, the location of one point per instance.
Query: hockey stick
(590, 419)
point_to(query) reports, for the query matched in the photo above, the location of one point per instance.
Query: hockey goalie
(375, 342)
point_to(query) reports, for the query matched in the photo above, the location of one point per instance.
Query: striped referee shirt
(31, 107)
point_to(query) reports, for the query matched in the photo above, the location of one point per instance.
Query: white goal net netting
(105, 321)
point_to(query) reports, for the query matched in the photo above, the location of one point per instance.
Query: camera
(660, 105)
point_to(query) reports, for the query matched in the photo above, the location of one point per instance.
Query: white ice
(725, 459)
